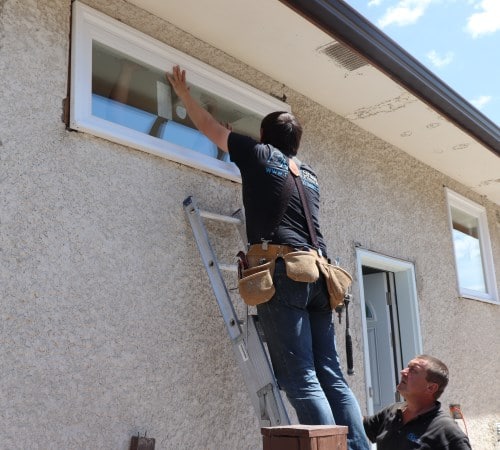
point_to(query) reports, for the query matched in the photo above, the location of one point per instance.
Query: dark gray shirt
(433, 430)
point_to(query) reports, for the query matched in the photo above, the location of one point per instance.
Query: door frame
(404, 276)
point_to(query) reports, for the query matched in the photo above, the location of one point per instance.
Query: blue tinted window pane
(122, 114)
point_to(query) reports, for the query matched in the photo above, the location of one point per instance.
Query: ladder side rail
(248, 348)
(269, 394)
(259, 378)
(210, 262)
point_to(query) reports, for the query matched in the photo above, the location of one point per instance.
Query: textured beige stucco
(108, 326)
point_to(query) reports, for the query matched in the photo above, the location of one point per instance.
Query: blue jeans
(299, 329)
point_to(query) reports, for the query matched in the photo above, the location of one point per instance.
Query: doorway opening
(390, 322)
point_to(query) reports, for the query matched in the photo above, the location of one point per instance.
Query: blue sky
(457, 40)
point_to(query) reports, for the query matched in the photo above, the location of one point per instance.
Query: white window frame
(88, 25)
(479, 212)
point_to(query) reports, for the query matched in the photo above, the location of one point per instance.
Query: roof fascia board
(346, 25)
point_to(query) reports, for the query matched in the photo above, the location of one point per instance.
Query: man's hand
(201, 118)
(178, 81)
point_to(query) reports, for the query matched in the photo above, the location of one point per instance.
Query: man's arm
(201, 118)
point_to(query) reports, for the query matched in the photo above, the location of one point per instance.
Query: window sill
(479, 299)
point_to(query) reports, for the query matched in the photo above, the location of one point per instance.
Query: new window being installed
(119, 92)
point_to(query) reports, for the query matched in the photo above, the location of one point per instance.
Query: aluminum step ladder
(245, 338)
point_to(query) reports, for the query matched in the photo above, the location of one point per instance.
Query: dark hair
(437, 372)
(283, 131)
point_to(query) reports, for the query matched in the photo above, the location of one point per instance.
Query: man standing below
(419, 422)
(298, 319)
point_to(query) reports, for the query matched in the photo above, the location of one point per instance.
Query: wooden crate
(305, 437)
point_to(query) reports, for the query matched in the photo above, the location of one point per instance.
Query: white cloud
(440, 61)
(469, 263)
(486, 21)
(374, 3)
(406, 12)
(481, 101)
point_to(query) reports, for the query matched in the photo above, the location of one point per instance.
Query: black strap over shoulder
(305, 205)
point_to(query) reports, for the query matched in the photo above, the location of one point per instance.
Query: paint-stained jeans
(299, 329)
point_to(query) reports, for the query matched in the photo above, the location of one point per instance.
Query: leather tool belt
(256, 270)
(260, 253)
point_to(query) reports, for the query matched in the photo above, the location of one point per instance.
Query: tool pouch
(301, 266)
(337, 280)
(256, 284)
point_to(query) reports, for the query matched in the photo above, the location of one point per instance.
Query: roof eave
(346, 25)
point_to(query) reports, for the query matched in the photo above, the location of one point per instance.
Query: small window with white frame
(471, 243)
(119, 92)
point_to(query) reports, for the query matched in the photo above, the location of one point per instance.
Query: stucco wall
(108, 326)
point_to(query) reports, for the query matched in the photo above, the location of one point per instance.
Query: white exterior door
(390, 323)
(380, 338)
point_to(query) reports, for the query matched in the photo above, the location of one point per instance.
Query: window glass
(471, 244)
(134, 95)
(468, 251)
(369, 312)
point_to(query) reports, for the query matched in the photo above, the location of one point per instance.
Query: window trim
(89, 24)
(479, 212)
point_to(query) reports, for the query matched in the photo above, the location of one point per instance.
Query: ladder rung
(229, 267)
(220, 217)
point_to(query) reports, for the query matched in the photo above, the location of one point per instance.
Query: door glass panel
(369, 312)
